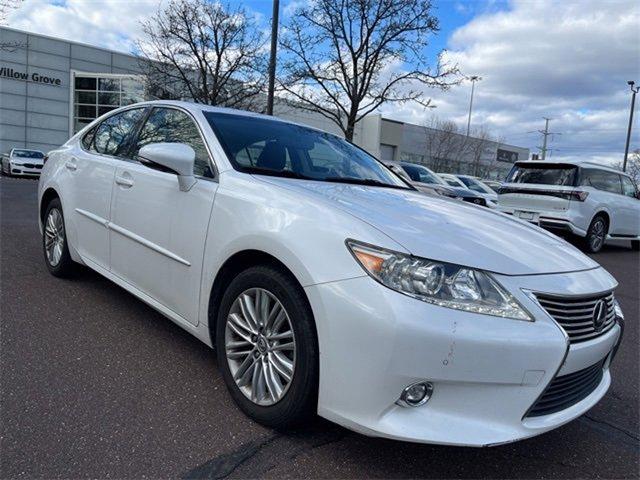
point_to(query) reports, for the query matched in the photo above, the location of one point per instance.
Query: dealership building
(50, 88)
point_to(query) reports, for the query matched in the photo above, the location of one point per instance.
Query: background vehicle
(428, 181)
(300, 256)
(480, 188)
(493, 184)
(22, 161)
(452, 180)
(586, 199)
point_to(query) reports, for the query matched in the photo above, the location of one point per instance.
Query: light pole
(474, 79)
(631, 83)
(272, 57)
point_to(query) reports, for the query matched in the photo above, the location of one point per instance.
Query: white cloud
(566, 60)
(106, 23)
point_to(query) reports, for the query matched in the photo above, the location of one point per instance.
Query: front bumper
(25, 169)
(486, 371)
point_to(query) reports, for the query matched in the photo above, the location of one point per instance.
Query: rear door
(91, 169)
(158, 232)
(630, 208)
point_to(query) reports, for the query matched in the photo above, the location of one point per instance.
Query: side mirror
(177, 157)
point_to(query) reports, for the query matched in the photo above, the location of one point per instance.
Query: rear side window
(628, 188)
(543, 174)
(113, 135)
(87, 140)
(168, 125)
(602, 180)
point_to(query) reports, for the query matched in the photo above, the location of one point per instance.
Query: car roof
(572, 163)
(196, 108)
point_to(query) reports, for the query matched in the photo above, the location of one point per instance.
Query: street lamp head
(475, 78)
(631, 83)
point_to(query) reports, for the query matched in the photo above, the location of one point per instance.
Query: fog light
(415, 394)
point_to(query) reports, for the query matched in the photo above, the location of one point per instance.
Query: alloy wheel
(260, 346)
(54, 237)
(598, 232)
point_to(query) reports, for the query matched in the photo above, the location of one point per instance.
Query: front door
(91, 169)
(157, 232)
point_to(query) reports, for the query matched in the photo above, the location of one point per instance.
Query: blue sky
(565, 59)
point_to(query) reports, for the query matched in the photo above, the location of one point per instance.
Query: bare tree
(204, 51)
(345, 58)
(444, 146)
(633, 166)
(6, 6)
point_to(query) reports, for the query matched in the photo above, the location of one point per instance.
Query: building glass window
(95, 95)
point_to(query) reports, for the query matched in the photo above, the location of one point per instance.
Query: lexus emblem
(599, 314)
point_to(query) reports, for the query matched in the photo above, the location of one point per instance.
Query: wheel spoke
(284, 346)
(239, 332)
(248, 312)
(257, 383)
(244, 366)
(268, 324)
(274, 386)
(282, 365)
(282, 336)
(277, 323)
(242, 323)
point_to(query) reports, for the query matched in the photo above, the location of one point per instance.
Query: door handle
(124, 181)
(71, 165)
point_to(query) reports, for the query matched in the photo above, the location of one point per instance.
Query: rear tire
(635, 245)
(54, 241)
(596, 234)
(273, 380)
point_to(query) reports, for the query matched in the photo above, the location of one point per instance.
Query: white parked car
(478, 186)
(326, 283)
(586, 199)
(22, 161)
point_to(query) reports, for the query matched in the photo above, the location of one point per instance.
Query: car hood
(447, 230)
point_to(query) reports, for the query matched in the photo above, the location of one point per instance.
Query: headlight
(618, 309)
(443, 284)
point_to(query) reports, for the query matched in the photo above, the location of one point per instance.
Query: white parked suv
(586, 199)
(22, 161)
(326, 283)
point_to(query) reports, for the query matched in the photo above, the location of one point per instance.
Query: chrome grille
(576, 314)
(567, 390)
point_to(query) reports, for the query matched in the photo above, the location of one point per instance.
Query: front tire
(596, 234)
(635, 245)
(54, 241)
(267, 347)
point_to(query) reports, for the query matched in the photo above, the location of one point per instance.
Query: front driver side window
(113, 135)
(168, 125)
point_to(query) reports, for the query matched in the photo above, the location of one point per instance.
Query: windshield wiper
(364, 181)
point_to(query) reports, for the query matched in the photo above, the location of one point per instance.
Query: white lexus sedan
(326, 283)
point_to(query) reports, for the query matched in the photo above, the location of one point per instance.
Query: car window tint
(543, 175)
(628, 188)
(602, 180)
(87, 140)
(168, 125)
(113, 135)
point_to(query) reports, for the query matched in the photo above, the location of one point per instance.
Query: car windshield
(421, 174)
(28, 154)
(475, 185)
(452, 181)
(543, 174)
(267, 147)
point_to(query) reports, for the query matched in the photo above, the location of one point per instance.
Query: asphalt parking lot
(94, 383)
